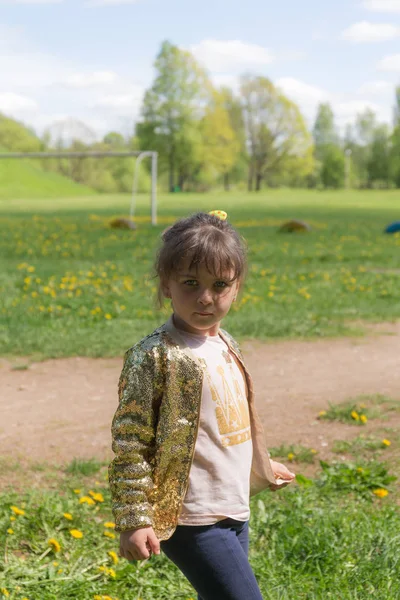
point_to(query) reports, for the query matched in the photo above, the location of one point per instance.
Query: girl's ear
(165, 289)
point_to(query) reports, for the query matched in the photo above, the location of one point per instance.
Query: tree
(172, 109)
(324, 130)
(221, 146)
(277, 136)
(333, 167)
(378, 165)
(233, 107)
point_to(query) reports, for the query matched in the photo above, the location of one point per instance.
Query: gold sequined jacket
(154, 432)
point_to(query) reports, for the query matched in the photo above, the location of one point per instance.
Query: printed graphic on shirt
(231, 406)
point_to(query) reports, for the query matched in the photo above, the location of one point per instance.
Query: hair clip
(221, 214)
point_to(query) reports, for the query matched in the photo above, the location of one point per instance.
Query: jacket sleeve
(133, 439)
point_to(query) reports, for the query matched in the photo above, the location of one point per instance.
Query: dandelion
(386, 442)
(59, 571)
(96, 496)
(109, 524)
(87, 500)
(5, 592)
(10, 531)
(17, 511)
(13, 518)
(54, 545)
(113, 556)
(381, 493)
(322, 413)
(313, 451)
(355, 415)
(107, 316)
(76, 533)
(360, 470)
(290, 456)
(77, 491)
(363, 419)
(109, 534)
(55, 563)
(68, 516)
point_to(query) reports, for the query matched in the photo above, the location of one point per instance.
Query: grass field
(70, 285)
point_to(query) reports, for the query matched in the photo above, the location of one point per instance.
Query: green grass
(70, 285)
(330, 537)
(26, 179)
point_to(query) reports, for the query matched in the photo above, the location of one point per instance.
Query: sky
(63, 61)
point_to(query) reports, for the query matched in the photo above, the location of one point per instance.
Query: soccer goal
(138, 155)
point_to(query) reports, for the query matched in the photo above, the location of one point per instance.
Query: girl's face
(200, 300)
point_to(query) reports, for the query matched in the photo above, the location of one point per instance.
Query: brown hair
(203, 239)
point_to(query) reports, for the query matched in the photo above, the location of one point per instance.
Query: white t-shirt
(219, 479)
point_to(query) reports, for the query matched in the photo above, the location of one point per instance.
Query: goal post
(139, 155)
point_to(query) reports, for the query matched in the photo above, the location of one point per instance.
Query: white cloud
(85, 80)
(11, 103)
(387, 6)
(110, 2)
(231, 55)
(390, 63)
(370, 32)
(375, 87)
(124, 103)
(305, 95)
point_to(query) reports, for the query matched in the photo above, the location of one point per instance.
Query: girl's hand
(282, 475)
(138, 544)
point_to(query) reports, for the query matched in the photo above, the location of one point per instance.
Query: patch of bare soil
(57, 410)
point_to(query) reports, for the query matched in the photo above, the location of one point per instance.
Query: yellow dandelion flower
(109, 524)
(360, 470)
(5, 592)
(87, 500)
(17, 511)
(107, 316)
(322, 413)
(13, 518)
(59, 571)
(55, 563)
(77, 491)
(68, 516)
(10, 531)
(54, 545)
(363, 419)
(109, 534)
(96, 496)
(76, 533)
(113, 556)
(313, 451)
(355, 415)
(290, 456)
(97, 597)
(386, 442)
(381, 493)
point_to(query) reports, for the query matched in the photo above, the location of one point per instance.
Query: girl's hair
(203, 239)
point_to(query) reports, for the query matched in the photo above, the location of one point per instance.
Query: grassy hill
(26, 179)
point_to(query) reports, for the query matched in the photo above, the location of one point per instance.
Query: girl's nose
(205, 297)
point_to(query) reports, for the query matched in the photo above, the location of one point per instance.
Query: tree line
(249, 138)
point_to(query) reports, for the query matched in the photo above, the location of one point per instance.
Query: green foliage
(294, 453)
(352, 412)
(363, 478)
(79, 466)
(332, 167)
(277, 135)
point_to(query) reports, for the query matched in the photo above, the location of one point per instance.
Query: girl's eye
(190, 282)
(221, 284)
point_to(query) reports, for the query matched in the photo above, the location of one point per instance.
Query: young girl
(188, 443)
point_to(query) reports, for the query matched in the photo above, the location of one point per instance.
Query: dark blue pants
(214, 559)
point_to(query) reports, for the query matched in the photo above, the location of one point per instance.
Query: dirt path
(61, 409)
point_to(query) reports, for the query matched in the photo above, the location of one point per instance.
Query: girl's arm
(133, 437)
